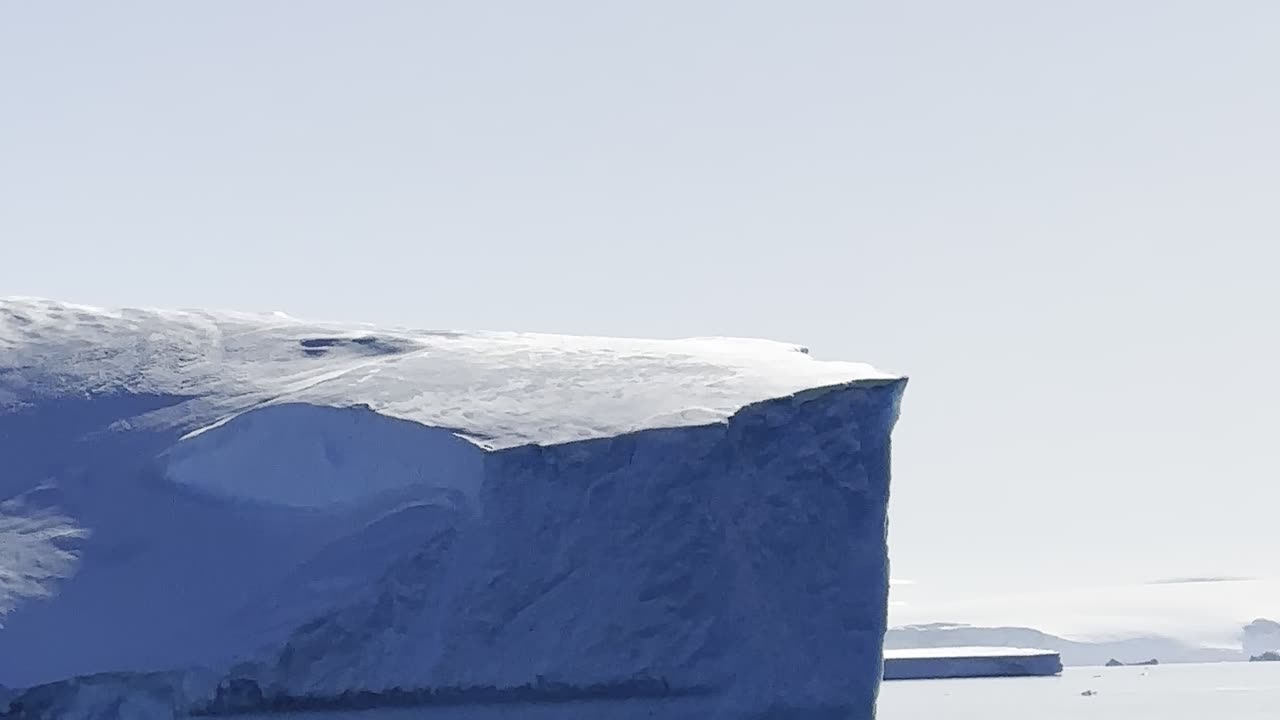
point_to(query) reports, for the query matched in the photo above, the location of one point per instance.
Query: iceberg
(969, 662)
(209, 511)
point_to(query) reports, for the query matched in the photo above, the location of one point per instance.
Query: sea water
(1225, 691)
(1230, 691)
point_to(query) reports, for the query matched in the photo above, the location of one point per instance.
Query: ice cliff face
(324, 509)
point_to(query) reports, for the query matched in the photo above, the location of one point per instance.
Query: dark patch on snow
(364, 345)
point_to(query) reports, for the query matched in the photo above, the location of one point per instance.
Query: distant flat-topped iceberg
(970, 662)
(312, 512)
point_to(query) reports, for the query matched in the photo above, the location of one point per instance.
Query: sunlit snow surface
(342, 507)
(498, 389)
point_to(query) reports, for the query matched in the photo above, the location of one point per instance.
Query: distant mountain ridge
(1073, 652)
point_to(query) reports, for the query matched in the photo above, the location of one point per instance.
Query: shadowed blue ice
(263, 520)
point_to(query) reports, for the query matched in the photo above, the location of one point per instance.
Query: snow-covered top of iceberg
(493, 388)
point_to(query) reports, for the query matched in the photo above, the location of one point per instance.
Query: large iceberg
(273, 511)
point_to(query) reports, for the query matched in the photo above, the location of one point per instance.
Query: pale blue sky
(1059, 218)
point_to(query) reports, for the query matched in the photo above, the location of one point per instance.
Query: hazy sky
(1059, 218)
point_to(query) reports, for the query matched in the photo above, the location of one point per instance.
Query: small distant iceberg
(1116, 663)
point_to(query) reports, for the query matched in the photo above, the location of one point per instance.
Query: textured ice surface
(335, 508)
(499, 389)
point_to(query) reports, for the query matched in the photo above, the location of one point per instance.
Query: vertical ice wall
(747, 559)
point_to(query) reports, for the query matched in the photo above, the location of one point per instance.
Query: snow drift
(326, 512)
